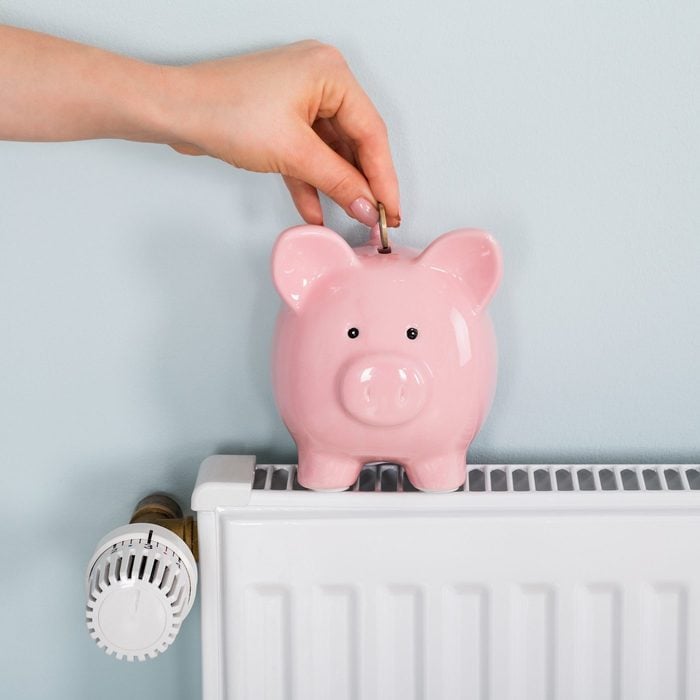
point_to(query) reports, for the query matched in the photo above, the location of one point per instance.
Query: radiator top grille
(386, 478)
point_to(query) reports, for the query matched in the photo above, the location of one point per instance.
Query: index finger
(360, 121)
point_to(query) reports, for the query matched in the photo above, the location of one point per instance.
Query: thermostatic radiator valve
(142, 581)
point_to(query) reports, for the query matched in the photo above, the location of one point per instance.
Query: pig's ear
(472, 256)
(304, 254)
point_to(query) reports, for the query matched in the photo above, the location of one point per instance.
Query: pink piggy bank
(384, 357)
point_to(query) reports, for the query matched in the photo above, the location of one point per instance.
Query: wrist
(166, 113)
(148, 104)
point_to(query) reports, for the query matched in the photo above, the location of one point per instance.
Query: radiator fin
(268, 633)
(600, 643)
(388, 478)
(335, 642)
(668, 638)
(466, 640)
(533, 638)
(401, 649)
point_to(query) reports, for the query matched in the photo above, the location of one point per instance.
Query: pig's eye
(412, 333)
(353, 333)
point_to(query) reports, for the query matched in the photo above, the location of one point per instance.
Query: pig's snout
(383, 390)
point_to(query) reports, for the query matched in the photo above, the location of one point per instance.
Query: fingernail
(364, 211)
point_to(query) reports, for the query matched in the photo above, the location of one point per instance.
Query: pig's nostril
(368, 394)
(402, 394)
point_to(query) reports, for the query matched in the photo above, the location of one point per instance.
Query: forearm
(57, 90)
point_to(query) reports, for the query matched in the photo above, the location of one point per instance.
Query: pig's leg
(321, 471)
(438, 474)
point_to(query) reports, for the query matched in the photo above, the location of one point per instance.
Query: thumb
(319, 165)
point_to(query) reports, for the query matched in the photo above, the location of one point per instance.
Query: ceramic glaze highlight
(384, 357)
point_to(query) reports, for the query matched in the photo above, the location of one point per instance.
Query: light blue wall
(136, 310)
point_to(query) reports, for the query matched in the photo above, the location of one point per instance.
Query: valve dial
(141, 584)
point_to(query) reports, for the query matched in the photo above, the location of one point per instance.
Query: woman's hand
(296, 110)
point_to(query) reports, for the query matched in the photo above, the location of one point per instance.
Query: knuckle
(371, 131)
(336, 187)
(328, 54)
(308, 44)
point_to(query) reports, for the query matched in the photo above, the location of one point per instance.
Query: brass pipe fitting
(159, 509)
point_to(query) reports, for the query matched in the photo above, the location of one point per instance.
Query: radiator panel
(443, 597)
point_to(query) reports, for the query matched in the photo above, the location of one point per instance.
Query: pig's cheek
(461, 337)
(321, 353)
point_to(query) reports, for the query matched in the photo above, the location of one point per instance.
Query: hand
(296, 110)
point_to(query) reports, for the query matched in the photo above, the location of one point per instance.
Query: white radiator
(535, 582)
